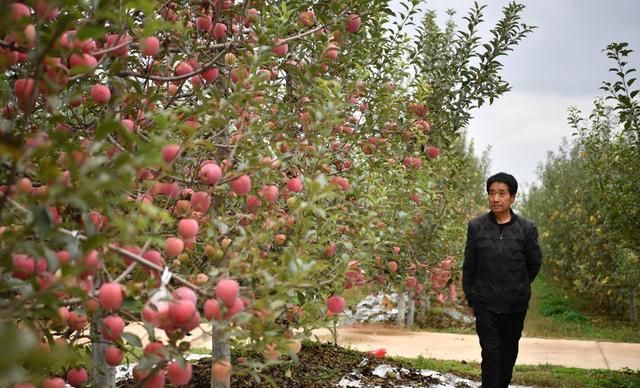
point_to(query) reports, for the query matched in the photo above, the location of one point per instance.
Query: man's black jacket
(500, 262)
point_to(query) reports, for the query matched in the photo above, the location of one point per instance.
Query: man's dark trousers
(499, 335)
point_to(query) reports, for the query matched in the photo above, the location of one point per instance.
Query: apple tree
(236, 163)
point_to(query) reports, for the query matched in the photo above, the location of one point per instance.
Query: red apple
(210, 174)
(19, 11)
(330, 249)
(170, 152)
(156, 314)
(335, 304)
(307, 18)
(178, 375)
(331, 52)
(46, 11)
(150, 46)
(433, 152)
(113, 355)
(173, 246)
(110, 296)
(24, 89)
(219, 31)
(280, 239)
(241, 185)
(128, 124)
(253, 203)
(183, 68)
(185, 293)
(227, 291)
(76, 321)
(251, 16)
(118, 39)
(194, 323)
(112, 327)
(63, 313)
(53, 382)
(281, 48)
(154, 381)
(212, 309)
(221, 370)
(352, 24)
(200, 201)
(188, 228)
(203, 23)
(24, 266)
(237, 306)
(98, 220)
(341, 182)
(295, 184)
(155, 349)
(181, 311)
(82, 60)
(155, 257)
(100, 94)
(270, 193)
(210, 74)
(77, 377)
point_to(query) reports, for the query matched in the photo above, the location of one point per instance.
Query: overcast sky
(560, 64)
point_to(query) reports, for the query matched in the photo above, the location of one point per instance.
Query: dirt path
(533, 351)
(398, 342)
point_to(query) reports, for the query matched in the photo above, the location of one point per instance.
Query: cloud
(522, 128)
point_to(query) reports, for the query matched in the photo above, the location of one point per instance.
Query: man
(501, 259)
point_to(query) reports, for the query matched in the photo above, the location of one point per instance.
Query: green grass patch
(536, 375)
(557, 313)
(557, 307)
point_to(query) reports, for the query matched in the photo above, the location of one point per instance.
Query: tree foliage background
(588, 201)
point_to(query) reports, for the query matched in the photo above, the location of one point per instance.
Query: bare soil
(319, 365)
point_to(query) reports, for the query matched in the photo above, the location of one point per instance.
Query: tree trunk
(411, 310)
(401, 309)
(102, 375)
(633, 308)
(427, 304)
(220, 350)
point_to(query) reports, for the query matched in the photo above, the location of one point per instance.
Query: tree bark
(411, 311)
(220, 350)
(401, 310)
(102, 375)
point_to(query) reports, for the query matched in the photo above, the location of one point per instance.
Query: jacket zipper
(500, 243)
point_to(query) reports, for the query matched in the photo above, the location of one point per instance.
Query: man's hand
(472, 311)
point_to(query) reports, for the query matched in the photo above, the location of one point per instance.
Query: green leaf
(108, 127)
(42, 220)
(133, 339)
(91, 31)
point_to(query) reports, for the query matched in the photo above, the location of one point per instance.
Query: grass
(556, 313)
(537, 375)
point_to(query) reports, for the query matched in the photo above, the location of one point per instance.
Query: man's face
(500, 200)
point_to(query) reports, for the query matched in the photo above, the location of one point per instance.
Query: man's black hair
(505, 178)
